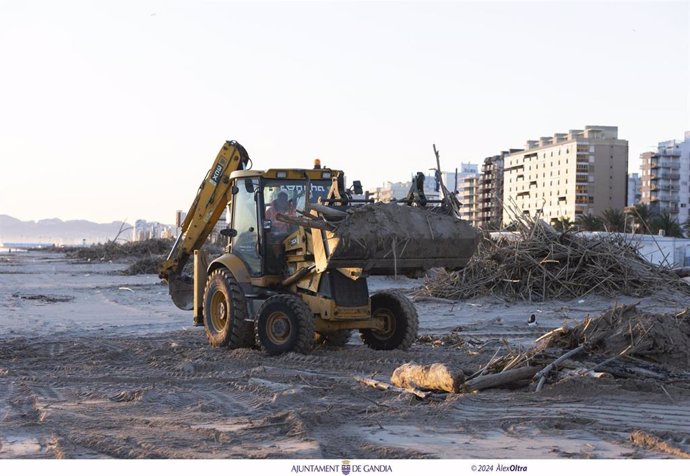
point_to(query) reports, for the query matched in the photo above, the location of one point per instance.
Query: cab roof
(287, 174)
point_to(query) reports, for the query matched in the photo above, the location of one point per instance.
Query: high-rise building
(566, 175)
(634, 191)
(469, 198)
(490, 191)
(666, 178)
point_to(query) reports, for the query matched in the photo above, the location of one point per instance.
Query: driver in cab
(280, 204)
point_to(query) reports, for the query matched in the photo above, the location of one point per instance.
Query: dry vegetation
(145, 257)
(540, 264)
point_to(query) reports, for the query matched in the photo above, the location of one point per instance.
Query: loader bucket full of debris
(393, 239)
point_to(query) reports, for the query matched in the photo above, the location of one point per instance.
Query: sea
(23, 247)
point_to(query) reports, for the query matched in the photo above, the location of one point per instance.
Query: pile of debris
(113, 251)
(391, 238)
(538, 263)
(623, 342)
(145, 257)
(661, 340)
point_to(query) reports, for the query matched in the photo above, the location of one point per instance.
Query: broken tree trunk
(428, 377)
(497, 380)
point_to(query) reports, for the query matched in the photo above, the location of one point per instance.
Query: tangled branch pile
(145, 257)
(622, 342)
(625, 330)
(113, 250)
(541, 264)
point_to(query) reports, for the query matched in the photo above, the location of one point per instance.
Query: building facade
(567, 175)
(469, 198)
(490, 191)
(634, 190)
(666, 178)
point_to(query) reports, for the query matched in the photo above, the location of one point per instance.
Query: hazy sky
(114, 110)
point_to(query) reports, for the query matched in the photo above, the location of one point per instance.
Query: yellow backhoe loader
(299, 253)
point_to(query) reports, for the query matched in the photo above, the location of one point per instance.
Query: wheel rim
(219, 311)
(278, 327)
(388, 323)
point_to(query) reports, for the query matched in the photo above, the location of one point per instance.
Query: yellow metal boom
(210, 202)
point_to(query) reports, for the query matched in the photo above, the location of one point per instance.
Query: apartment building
(469, 198)
(566, 175)
(666, 178)
(634, 190)
(490, 191)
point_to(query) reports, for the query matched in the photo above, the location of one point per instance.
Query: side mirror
(229, 232)
(357, 187)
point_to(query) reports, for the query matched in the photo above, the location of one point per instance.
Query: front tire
(400, 318)
(285, 324)
(225, 312)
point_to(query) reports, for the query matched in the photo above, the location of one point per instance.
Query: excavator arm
(208, 205)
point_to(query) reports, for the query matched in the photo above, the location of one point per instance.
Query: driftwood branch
(545, 371)
(498, 380)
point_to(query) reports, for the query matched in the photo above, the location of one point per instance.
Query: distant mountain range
(56, 231)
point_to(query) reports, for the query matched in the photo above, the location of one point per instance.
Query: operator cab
(258, 198)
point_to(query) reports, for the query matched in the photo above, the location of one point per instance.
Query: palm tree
(613, 219)
(562, 224)
(588, 222)
(665, 221)
(642, 216)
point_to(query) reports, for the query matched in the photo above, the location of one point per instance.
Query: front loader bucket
(391, 239)
(181, 290)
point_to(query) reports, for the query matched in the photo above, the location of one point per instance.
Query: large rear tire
(285, 324)
(225, 312)
(400, 318)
